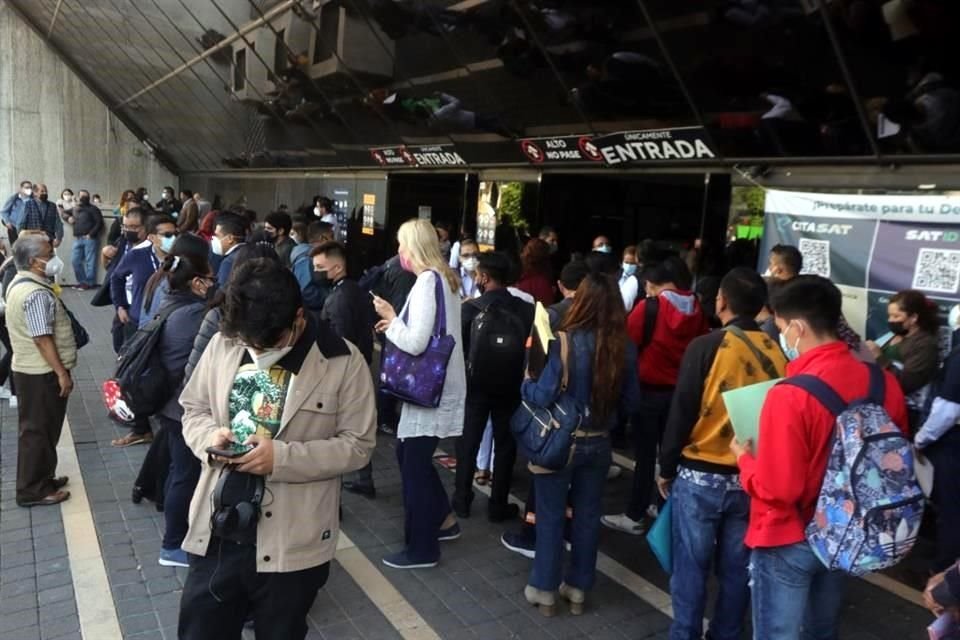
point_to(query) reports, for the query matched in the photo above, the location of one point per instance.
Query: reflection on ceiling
(241, 84)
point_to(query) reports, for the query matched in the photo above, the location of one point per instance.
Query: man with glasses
(128, 283)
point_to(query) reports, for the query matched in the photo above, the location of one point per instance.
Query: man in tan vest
(44, 352)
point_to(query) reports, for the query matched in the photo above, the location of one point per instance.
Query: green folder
(743, 407)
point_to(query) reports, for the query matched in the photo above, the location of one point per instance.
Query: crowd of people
(268, 342)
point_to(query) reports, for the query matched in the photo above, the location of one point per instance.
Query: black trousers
(41, 415)
(223, 589)
(480, 407)
(649, 422)
(7, 358)
(945, 456)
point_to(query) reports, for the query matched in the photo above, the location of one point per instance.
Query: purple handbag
(419, 379)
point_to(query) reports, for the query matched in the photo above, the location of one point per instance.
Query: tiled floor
(476, 592)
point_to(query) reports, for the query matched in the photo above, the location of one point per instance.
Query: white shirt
(468, 285)
(128, 281)
(629, 289)
(413, 336)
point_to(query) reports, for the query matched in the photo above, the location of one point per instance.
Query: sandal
(133, 438)
(482, 478)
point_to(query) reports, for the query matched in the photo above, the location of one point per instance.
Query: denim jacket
(546, 389)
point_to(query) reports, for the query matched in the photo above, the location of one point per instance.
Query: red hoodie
(784, 476)
(679, 321)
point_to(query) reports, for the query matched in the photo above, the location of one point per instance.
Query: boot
(575, 596)
(545, 601)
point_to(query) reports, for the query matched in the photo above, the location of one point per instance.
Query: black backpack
(498, 340)
(141, 381)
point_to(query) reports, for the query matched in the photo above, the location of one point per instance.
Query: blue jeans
(794, 595)
(180, 485)
(709, 524)
(84, 258)
(584, 478)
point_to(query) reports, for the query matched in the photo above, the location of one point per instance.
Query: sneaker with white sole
(622, 522)
(13, 402)
(174, 558)
(4, 393)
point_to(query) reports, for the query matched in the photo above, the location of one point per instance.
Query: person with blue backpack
(803, 495)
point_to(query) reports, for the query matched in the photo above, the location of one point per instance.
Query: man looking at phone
(264, 524)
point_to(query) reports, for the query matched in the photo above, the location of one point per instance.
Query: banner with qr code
(871, 246)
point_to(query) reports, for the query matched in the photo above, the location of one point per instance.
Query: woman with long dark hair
(595, 328)
(913, 354)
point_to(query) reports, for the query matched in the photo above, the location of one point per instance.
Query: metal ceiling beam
(53, 20)
(278, 10)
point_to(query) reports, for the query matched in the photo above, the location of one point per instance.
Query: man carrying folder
(698, 470)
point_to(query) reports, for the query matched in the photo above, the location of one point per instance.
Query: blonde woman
(428, 518)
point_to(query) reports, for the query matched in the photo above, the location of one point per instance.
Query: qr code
(816, 256)
(937, 270)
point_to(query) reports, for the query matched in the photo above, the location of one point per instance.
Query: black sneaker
(519, 543)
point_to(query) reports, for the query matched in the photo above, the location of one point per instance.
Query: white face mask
(268, 358)
(316, 211)
(295, 238)
(216, 246)
(470, 264)
(53, 267)
(28, 192)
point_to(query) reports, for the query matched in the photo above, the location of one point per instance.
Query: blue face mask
(629, 269)
(166, 244)
(604, 248)
(792, 353)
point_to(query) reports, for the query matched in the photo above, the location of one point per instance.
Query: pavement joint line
(95, 607)
(395, 608)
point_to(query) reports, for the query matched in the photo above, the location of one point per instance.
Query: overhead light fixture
(926, 187)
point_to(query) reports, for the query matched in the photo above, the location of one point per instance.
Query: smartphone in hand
(231, 452)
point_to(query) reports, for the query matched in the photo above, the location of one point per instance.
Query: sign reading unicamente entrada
(871, 246)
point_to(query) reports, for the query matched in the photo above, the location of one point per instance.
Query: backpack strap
(765, 363)
(820, 390)
(651, 309)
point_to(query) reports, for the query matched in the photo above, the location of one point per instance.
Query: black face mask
(269, 235)
(42, 197)
(897, 328)
(321, 279)
(133, 237)
(85, 200)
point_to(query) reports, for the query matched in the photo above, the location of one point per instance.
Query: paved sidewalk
(476, 592)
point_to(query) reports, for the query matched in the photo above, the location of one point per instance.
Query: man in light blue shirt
(12, 212)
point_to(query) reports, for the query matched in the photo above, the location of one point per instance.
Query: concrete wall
(54, 130)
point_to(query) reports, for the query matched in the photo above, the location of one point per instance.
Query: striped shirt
(40, 308)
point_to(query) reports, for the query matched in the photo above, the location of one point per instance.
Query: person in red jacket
(791, 588)
(536, 276)
(661, 326)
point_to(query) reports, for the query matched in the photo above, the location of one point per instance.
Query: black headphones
(229, 520)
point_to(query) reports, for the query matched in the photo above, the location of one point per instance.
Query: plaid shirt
(43, 216)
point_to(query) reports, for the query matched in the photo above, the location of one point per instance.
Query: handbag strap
(440, 321)
(564, 358)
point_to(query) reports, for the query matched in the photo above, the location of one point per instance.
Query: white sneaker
(621, 522)
(13, 402)
(614, 472)
(4, 393)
